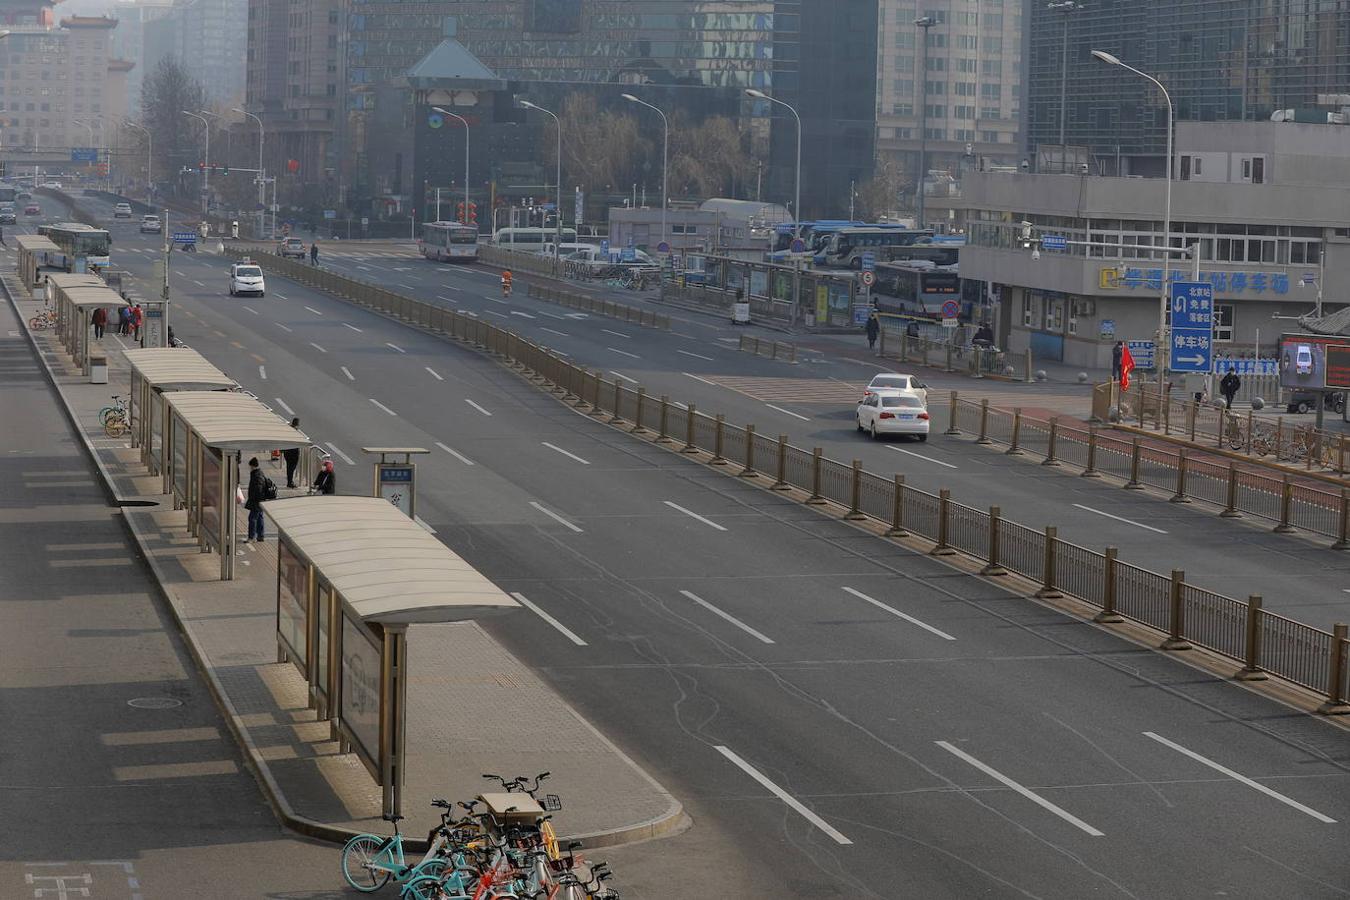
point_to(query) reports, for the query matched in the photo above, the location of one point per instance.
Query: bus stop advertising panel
(1314, 362)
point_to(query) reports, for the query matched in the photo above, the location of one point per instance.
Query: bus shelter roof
(68, 280)
(177, 369)
(35, 242)
(90, 296)
(229, 420)
(382, 563)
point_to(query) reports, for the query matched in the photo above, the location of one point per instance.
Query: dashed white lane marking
(380, 405)
(455, 453)
(623, 353)
(623, 376)
(788, 412)
(395, 347)
(348, 372)
(783, 795)
(555, 447)
(922, 457)
(1119, 518)
(555, 517)
(448, 299)
(284, 405)
(566, 632)
(729, 617)
(262, 372)
(353, 327)
(553, 331)
(198, 283)
(284, 328)
(1024, 791)
(251, 309)
(477, 407)
(696, 355)
(493, 312)
(317, 347)
(616, 333)
(434, 373)
(313, 310)
(693, 515)
(524, 315)
(898, 614)
(344, 457)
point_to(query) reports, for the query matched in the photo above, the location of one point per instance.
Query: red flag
(1126, 367)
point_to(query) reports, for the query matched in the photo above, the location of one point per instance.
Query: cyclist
(506, 283)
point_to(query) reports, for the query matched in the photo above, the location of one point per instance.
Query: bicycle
(369, 861)
(117, 408)
(44, 319)
(1232, 432)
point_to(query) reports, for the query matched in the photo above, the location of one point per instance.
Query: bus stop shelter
(209, 433)
(353, 574)
(75, 298)
(154, 372)
(32, 258)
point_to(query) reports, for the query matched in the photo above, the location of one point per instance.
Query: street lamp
(262, 185)
(797, 196)
(206, 169)
(1066, 7)
(149, 153)
(923, 24)
(665, 157)
(465, 122)
(557, 239)
(1162, 344)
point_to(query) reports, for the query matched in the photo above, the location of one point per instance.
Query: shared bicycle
(115, 418)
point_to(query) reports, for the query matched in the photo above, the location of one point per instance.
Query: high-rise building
(53, 78)
(1221, 60)
(205, 36)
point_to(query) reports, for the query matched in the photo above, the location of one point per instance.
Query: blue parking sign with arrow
(1190, 347)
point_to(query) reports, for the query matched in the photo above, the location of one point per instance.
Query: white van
(593, 259)
(565, 249)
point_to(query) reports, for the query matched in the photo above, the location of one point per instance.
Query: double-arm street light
(206, 169)
(149, 153)
(923, 24)
(557, 238)
(665, 158)
(797, 195)
(262, 185)
(1162, 344)
(465, 122)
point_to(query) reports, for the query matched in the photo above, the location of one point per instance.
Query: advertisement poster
(361, 686)
(292, 595)
(210, 525)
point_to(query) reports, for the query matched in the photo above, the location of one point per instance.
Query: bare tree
(880, 194)
(600, 147)
(708, 159)
(167, 92)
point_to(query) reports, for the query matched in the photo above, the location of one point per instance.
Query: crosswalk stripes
(791, 390)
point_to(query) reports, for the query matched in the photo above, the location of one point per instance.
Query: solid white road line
(623, 353)
(499, 300)
(553, 331)
(313, 310)
(448, 299)
(352, 327)
(198, 283)
(281, 296)
(283, 405)
(451, 287)
(493, 312)
(516, 312)
(434, 373)
(615, 333)
(455, 453)
(555, 517)
(788, 412)
(696, 355)
(348, 372)
(317, 347)
(342, 456)
(1024, 791)
(623, 376)
(477, 407)
(693, 515)
(729, 617)
(1119, 519)
(395, 347)
(283, 328)
(897, 613)
(382, 406)
(922, 457)
(567, 632)
(553, 316)
(251, 309)
(419, 521)
(783, 795)
(1254, 785)
(584, 462)
(704, 380)
(262, 372)
(408, 287)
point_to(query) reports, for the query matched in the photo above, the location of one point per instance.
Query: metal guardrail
(977, 362)
(599, 305)
(1263, 643)
(721, 300)
(770, 348)
(516, 260)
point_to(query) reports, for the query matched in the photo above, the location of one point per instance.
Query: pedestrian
(314, 253)
(137, 316)
(326, 483)
(100, 319)
(912, 329)
(1116, 352)
(123, 318)
(292, 456)
(257, 493)
(1229, 386)
(2, 239)
(873, 329)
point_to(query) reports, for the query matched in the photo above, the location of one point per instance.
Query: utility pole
(1066, 7)
(923, 24)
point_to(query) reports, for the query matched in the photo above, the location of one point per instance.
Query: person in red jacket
(99, 320)
(136, 317)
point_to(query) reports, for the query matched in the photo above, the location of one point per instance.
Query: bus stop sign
(185, 237)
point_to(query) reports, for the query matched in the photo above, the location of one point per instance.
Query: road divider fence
(1262, 643)
(767, 347)
(600, 306)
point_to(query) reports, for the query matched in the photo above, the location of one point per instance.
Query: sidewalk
(472, 707)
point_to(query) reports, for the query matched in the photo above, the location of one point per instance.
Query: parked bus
(449, 241)
(531, 238)
(916, 288)
(845, 248)
(81, 245)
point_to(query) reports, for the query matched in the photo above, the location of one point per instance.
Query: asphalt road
(840, 716)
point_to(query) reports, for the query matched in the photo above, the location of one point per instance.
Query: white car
(594, 260)
(122, 211)
(151, 225)
(891, 381)
(246, 278)
(893, 412)
(52, 185)
(1303, 360)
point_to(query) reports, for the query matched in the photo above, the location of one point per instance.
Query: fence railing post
(1180, 495)
(1048, 591)
(1286, 506)
(719, 438)
(780, 482)
(1014, 449)
(1108, 614)
(1343, 529)
(596, 408)
(897, 528)
(1176, 600)
(689, 445)
(949, 358)
(815, 498)
(1133, 484)
(951, 416)
(984, 422)
(1230, 507)
(943, 548)
(1251, 670)
(641, 401)
(749, 470)
(855, 493)
(993, 567)
(1050, 447)
(615, 417)
(663, 436)
(1335, 704)
(1091, 470)
(1192, 412)
(1340, 455)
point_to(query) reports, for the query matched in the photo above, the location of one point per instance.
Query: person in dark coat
(99, 320)
(326, 483)
(292, 456)
(873, 329)
(1117, 352)
(1229, 386)
(257, 493)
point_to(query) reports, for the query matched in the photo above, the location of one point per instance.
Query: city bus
(449, 241)
(845, 247)
(81, 245)
(916, 288)
(531, 238)
(7, 193)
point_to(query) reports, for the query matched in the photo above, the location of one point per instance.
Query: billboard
(1314, 361)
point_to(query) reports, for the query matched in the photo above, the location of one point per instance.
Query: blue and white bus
(449, 241)
(82, 246)
(845, 248)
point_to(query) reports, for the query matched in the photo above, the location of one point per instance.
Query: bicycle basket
(551, 803)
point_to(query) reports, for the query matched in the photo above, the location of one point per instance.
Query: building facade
(205, 36)
(1264, 203)
(50, 78)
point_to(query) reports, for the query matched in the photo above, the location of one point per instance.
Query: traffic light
(473, 213)
(201, 167)
(459, 211)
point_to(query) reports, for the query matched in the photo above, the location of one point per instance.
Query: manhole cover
(154, 703)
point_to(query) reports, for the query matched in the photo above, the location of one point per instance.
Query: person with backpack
(873, 329)
(260, 489)
(326, 482)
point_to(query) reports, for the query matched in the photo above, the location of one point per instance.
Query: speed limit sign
(868, 278)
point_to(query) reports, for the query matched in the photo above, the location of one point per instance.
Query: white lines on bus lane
(348, 372)
(1119, 518)
(284, 405)
(380, 405)
(792, 802)
(693, 515)
(921, 456)
(566, 632)
(569, 455)
(1021, 789)
(434, 373)
(760, 636)
(1241, 779)
(898, 614)
(555, 517)
(477, 407)
(455, 453)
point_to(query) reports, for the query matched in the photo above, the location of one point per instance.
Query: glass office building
(1221, 60)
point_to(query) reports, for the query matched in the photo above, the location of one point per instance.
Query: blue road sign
(628, 255)
(1143, 353)
(84, 154)
(869, 261)
(1192, 314)
(798, 245)
(1054, 242)
(185, 237)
